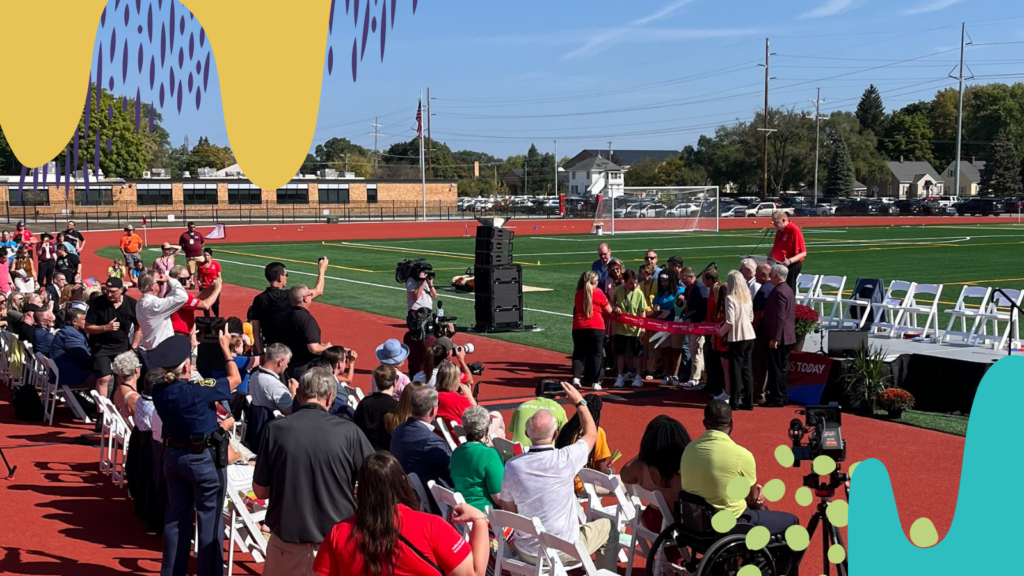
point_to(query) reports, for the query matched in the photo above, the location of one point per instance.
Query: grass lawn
(361, 274)
(948, 423)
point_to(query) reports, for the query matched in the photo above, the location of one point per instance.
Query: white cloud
(829, 8)
(603, 39)
(933, 6)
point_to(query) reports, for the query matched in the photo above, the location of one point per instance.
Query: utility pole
(430, 143)
(556, 168)
(346, 161)
(376, 133)
(526, 177)
(817, 141)
(423, 172)
(766, 129)
(960, 110)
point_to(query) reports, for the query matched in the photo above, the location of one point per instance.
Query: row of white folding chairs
(114, 433)
(984, 308)
(54, 389)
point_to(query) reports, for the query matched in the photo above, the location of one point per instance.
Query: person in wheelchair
(710, 462)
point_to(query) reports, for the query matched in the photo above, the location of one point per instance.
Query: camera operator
(420, 291)
(710, 462)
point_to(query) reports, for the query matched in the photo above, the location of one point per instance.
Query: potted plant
(806, 323)
(865, 378)
(894, 401)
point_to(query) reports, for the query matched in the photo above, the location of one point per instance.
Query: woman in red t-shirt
(453, 397)
(588, 330)
(388, 537)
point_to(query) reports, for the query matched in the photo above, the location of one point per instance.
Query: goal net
(657, 209)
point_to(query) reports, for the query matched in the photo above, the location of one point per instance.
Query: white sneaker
(722, 396)
(596, 386)
(620, 381)
(638, 382)
(650, 377)
(576, 382)
(691, 384)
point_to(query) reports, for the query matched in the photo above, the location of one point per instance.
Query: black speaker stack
(498, 282)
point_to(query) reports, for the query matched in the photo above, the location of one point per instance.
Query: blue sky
(645, 74)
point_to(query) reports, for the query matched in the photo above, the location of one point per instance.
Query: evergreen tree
(1003, 172)
(870, 111)
(840, 171)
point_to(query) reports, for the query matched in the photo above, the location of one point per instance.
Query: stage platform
(896, 347)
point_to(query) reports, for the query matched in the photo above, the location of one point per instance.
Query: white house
(970, 177)
(595, 176)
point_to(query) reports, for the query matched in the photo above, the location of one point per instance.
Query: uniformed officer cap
(170, 353)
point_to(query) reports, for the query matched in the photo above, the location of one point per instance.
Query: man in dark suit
(778, 325)
(418, 449)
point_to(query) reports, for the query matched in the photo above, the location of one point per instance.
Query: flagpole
(423, 173)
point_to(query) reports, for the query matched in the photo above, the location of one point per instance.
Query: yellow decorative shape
(774, 490)
(824, 465)
(749, 570)
(723, 521)
(923, 533)
(39, 123)
(738, 488)
(804, 496)
(797, 538)
(838, 512)
(836, 554)
(758, 537)
(784, 455)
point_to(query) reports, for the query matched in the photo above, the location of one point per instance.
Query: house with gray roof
(624, 158)
(907, 181)
(594, 176)
(970, 177)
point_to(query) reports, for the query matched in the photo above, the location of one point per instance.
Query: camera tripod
(829, 533)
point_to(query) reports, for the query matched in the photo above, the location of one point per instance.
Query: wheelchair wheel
(726, 556)
(668, 556)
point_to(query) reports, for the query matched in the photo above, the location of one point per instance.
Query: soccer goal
(657, 209)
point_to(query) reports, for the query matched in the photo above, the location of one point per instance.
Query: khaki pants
(287, 559)
(192, 266)
(696, 356)
(599, 537)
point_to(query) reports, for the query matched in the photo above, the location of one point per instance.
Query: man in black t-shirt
(273, 302)
(74, 236)
(70, 265)
(299, 331)
(109, 323)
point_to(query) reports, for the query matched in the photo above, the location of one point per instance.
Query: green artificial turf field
(361, 274)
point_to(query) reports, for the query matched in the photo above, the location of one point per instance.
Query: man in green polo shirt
(527, 409)
(710, 462)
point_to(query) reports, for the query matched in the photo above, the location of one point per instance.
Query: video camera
(407, 269)
(823, 431)
(423, 322)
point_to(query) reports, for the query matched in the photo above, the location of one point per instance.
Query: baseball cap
(129, 227)
(446, 342)
(171, 352)
(114, 283)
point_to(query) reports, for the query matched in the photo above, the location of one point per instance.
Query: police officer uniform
(194, 480)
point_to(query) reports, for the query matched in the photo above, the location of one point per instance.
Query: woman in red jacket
(588, 330)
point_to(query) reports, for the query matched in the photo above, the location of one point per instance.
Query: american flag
(419, 119)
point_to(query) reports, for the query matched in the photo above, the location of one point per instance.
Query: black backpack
(27, 405)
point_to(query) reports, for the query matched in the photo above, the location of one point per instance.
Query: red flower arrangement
(806, 320)
(894, 399)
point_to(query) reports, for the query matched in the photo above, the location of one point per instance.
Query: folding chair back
(458, 433)
(999, 310)
(619, 513)
(827, 299)
(447, 500)
(49, 389)
(421, 491)
(556, 548)
(243, 530)
(506, 559)
(354, 391)
(103, 413)
(5, 350)
(507, 448)
(52, 375)
(969, 306)
(888, 314)
(806, 284)
(642, 536)
(924, 300)
(442, 428)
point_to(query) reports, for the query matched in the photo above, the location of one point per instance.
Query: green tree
(677, 172)
(908, 134)
(861, 145)
(130, 152)
(840, 171)
(7, 159)
(207, 155)
(644, 173)
(310, 165)
(1003, 172)
(335, 149)
(540, 172)
(870, 111)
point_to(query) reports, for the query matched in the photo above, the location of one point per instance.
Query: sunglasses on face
(650, 257)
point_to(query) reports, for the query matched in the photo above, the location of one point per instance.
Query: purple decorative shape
(202, 37)
(103, 17)
(373, 24)
(355, 14)
(191, 45)
(88, 111)
(99, 78)
(110, 83)
(108, 144)
(45, 170)
(330, 60)
(181, 56)
(199, 67)
(113, 42)
(149, 22)
(355, 58)
(393, 4)
(152, 72)
(199, 98)
(124, 103)
(206, 71)
(151, 117)
(161, 94)
(366, 30)
(141, 58)
(21, 182)
(139, 29)
(159, 4)
(170, 25)
(124, 62)
(67, 170)
(189, 82)
(179, 96)
(35, 178)
(85, 172)
(110, 112)
(330, 20)
(117, 3)
(181, 25)
(138, 6)
(163, 45)
(138, 109)
(75, 144)
(191, 15)
(414, 3)
(96, 155)
(384, 28)
(172, 81)
(127, 15)
(348, 3)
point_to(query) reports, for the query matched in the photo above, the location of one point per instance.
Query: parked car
(815, 210)
(747, 200)
(736, 211)
(857, 208)
(1013, 205)
(647, 211)
(949, 200)
(683, 210)
(909, 207)
(935, 209)
(980, 207)
(885, 208)
(766, 209)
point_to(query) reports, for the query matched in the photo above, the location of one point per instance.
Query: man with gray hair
(418, 449)
(307, 466)
(266, 385)
(748, 267)
(541, 484)
(154, 312)
(779, 327)
(299, 330)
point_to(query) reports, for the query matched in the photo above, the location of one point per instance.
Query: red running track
(62, 517)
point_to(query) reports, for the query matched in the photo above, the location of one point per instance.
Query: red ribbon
(700, 328)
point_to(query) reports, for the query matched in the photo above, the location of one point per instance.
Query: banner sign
(808, 374)
(705, 328)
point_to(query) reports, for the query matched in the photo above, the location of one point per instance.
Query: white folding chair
(924, 300)
(120, 431)
(887, 314)
(442, 427)
(506, 559)
(999, 310)
(49, 397)
(506, 447)
(421, 491)
(970, 306)
(5, 349)
(459, 433)
(65, 391)
(619, 513)
(556, 547)
(243, 530)
(354, 391)
(827, 298)
(103, 413)
(641, 536)
(806, 284)
(447, 500)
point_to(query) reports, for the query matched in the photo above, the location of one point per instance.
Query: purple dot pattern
(371, 24)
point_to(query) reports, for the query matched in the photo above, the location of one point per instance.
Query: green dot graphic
(838, 512)
(797, 538)
(784, 454)
(853, 467)
(804, 496)
(824, 465)
(836, 554)
(774, 490)
(758, 537)
(723, 521)
(749, 570)
(738, 488)
(923, 533)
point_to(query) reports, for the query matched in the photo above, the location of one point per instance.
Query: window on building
(96, 196)
(952, 173)
(239, 194)
(371, 193)
(204, 194)
(332, 193)
(153, 194)
(293, 194)
(29, 197)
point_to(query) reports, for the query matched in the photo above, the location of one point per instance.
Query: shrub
(894, 399)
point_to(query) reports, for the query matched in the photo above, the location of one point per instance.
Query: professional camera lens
(468, 348)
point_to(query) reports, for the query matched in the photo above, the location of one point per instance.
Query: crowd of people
(333, 467)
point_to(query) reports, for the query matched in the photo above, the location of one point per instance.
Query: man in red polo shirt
(183, 321)
(207, 271)
(789, 248)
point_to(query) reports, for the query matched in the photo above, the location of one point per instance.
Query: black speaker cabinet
(493, 233)
(493, 258)
(499, 296)
(502, 279)
(499, 311)
(492, 245)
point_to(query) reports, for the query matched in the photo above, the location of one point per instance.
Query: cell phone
(321, 259)
(552, 389)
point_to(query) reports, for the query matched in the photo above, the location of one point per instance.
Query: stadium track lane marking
(360, 282)
(295, 261)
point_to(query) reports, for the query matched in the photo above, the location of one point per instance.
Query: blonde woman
(588, 330)
(738, 331)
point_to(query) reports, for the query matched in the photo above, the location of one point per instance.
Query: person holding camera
(547, 390)
(299, 331)
(420, 292)
(442, 351)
